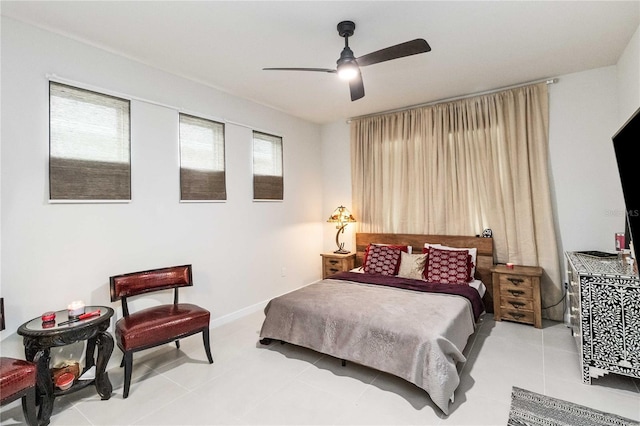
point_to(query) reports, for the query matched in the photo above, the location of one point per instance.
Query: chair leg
(122, 362)
(29, 407)
(127, 359)
(207, 346)
(178, 344)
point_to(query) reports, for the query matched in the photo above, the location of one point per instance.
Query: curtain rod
(457, 98)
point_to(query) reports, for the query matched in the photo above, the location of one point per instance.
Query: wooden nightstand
(333, 263)
(516, 294)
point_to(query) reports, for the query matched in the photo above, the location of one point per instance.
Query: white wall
(336, 178)
(588, 196)
(629, 79)
(53, 254)
(586, 110)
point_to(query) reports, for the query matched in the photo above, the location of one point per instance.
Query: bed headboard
(484, 258)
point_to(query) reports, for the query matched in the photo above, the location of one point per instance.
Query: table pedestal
(38, 342)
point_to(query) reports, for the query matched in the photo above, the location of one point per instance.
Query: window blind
(268, 179)
(89, 145)
(202, 171)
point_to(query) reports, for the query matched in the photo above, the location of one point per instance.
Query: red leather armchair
(160, 324)
(18, 380)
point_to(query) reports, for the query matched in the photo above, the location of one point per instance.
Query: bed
(393, 321)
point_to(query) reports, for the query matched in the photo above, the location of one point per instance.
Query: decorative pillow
(447, 266)
(383, 260)
(472, 251)
(406, 249)
(412, 265)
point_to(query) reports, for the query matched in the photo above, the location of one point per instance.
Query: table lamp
(341, 216)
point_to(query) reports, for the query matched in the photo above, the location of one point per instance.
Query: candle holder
(75, 309)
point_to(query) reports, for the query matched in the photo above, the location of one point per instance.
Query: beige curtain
(457, 168)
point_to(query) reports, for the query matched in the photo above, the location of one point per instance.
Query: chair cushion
(153, 326)
(15, 375)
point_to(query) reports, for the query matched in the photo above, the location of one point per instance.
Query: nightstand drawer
(519, 316)
(332, 263)
(515, 282)
(512, 303)
(330, 270)
(518, 292)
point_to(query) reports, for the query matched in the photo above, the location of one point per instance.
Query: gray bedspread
(413, 335)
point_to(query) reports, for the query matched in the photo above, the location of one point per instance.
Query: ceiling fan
(348, 66)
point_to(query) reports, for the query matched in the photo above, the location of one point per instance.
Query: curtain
(457, 168)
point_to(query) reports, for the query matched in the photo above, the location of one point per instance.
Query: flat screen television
(625, 145)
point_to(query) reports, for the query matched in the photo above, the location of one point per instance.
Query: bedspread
(418, 336)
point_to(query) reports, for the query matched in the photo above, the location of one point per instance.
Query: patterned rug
(532, 409)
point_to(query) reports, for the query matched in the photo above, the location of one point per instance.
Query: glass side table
(39, 338)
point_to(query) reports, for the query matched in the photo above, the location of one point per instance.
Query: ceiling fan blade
(401, 50)
(356, 87)
(301, 69)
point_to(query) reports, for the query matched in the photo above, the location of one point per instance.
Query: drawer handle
(517, 305)
(333, 262)
(516, 292)
(334, 270)
(516, 315)
(516, 281)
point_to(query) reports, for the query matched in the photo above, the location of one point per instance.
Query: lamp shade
(341, 215)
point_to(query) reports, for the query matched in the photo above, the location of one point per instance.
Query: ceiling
(476, 45)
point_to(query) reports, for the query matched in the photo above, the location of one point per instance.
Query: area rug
(532, 409)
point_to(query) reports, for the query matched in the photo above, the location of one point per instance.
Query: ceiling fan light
(347, 71)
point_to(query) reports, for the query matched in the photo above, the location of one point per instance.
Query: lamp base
(342, 251)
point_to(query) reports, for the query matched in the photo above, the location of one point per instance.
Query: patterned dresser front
(604, 303)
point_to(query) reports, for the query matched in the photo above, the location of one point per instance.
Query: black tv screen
(625, 145)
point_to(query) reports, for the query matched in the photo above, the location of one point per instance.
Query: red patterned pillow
(469, 260)
(397, 247)
(448, 266)
(383, 260)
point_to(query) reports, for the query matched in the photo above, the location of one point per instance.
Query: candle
(75, 308)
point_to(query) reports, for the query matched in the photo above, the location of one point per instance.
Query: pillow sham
(406, 249)
(473, 251)
(447, 266)
(384, 260)
(412, 265)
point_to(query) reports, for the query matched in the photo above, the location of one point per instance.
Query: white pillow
(412, 265)
(472, 251)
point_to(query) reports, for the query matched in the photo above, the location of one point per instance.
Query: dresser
(332, 263)
(604, 315)
(516, 294)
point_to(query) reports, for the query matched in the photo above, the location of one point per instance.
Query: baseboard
(241, 313)
(225, 319)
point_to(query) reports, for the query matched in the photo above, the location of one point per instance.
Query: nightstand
(516, 294)
(333, 263)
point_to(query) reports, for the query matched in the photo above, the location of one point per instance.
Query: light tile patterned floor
(249, 384)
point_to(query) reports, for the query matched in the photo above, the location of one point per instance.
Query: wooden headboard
(484, 258)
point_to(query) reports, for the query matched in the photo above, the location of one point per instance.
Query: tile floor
(249, 384)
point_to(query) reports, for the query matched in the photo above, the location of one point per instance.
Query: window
(202, 173)
(89, 139)
(267, 167)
